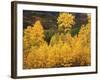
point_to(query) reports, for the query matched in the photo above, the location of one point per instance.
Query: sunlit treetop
(37, 29)
(65, 20)
(33, 35)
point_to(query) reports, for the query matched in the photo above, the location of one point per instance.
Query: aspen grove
(63, 50)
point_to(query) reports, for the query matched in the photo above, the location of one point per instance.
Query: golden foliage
(33, 35)
(65, 20)
(64, 50)
(81, 46)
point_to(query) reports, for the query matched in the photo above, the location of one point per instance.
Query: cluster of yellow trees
(63, 50)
